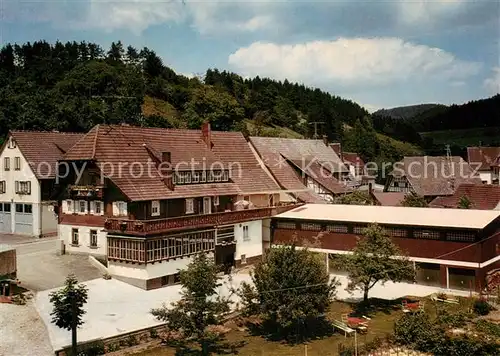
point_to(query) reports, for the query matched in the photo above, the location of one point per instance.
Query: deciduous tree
(414, 200)
(68, 309)
(200, 307)
(291, 290)
(375, 259)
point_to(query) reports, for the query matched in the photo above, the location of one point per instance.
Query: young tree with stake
(68, 309)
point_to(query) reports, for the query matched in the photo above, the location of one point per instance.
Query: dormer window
(155, 208)
(12, 143)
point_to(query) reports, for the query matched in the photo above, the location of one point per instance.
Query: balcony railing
(157, 226)
(86, 191)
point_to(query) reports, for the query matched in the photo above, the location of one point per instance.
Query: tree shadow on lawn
(219, 347)
(375, 305)
(312, 329)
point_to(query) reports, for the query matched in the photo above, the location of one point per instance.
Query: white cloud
(492, 84)
(351, 62)
(426, 12)
(135, 15)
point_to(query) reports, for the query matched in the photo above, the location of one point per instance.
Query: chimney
(166, 169)
(166, 157)
(370, 188)
(325, 140)
(206, 134)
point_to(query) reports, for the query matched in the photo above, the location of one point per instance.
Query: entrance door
(5, 218)
(207, 205)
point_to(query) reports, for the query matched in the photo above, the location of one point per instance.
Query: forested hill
(406, 112)
(73, 86)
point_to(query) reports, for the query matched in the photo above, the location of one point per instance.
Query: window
(358, 229)
(6, 163)
(216, 200)
(311, 227)
(17, 163)
(460, 236)
(23, 187)
(12, 143)
(396, 232)
(286, 225)
(69, 206)
(426, 234)
(82, 207)
(19, 208)
(28, 209)
(337, 228)
(2, 187)
(218, 176)
(122, 208)
(203, 176)
(246, 198)
(74, 237)
(196, 177)
(6, 207)
(188, 177)
(189, 206)
(155, 208)
(246, 235)
(225, 176)
(98, 207)
(243, 259)
(210, 177)
(93, 238)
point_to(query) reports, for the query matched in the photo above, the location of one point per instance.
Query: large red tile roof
(483, 158)
(42, 149)
(278, 154)
(481, 196)
(115, 145)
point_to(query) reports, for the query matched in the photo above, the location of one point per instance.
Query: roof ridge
(49, 132)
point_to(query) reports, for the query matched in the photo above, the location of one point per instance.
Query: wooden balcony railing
(157, 226)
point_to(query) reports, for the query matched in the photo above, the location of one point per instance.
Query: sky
(380, 54)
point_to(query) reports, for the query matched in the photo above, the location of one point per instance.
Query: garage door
(24, 219)
(5, 218)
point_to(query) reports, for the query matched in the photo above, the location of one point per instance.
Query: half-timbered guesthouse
(147, 199)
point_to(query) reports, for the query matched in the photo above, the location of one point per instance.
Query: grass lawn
(381, 323)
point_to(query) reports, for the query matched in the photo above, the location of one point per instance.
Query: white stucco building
(27, 177)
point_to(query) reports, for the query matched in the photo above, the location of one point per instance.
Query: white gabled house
(27, 177)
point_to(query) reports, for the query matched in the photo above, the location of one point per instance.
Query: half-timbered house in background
(486, 160)
(430, 176)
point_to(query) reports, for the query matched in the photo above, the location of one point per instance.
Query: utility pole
(355, 343)
(316, 123)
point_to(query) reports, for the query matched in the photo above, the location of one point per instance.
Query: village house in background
(451, 248)
(353, 162)
(480, 196)
(149, 225)
(486, 160)
(309, 167)
(430, 176)
(28, 163)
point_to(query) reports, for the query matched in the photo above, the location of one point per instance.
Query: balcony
(158, 226)
(86, 191)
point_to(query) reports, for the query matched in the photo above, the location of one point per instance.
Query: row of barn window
(463, 236)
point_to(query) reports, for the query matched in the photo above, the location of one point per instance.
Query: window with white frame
(337, 228)
(17, 163)
(358, 229)
(2, 187)
(196, 177)
(74, 237)
(98, 207)
(286, 225)
(216, 200)
(246, 234)
(69, 206)
(23, 187)
(155, 208)
(6, 163)
(82, 207)
(12, 143)
(93, 238)
(311, 226)
(203, 177)
(122, 208)
(189, 206)
(243, 259)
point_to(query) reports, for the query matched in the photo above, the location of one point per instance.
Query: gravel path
(22, 331)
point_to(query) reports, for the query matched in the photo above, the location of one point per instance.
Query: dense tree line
(477, 113)
(73, 86)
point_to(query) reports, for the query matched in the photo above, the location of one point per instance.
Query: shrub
(153, 333)
(481, 307)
